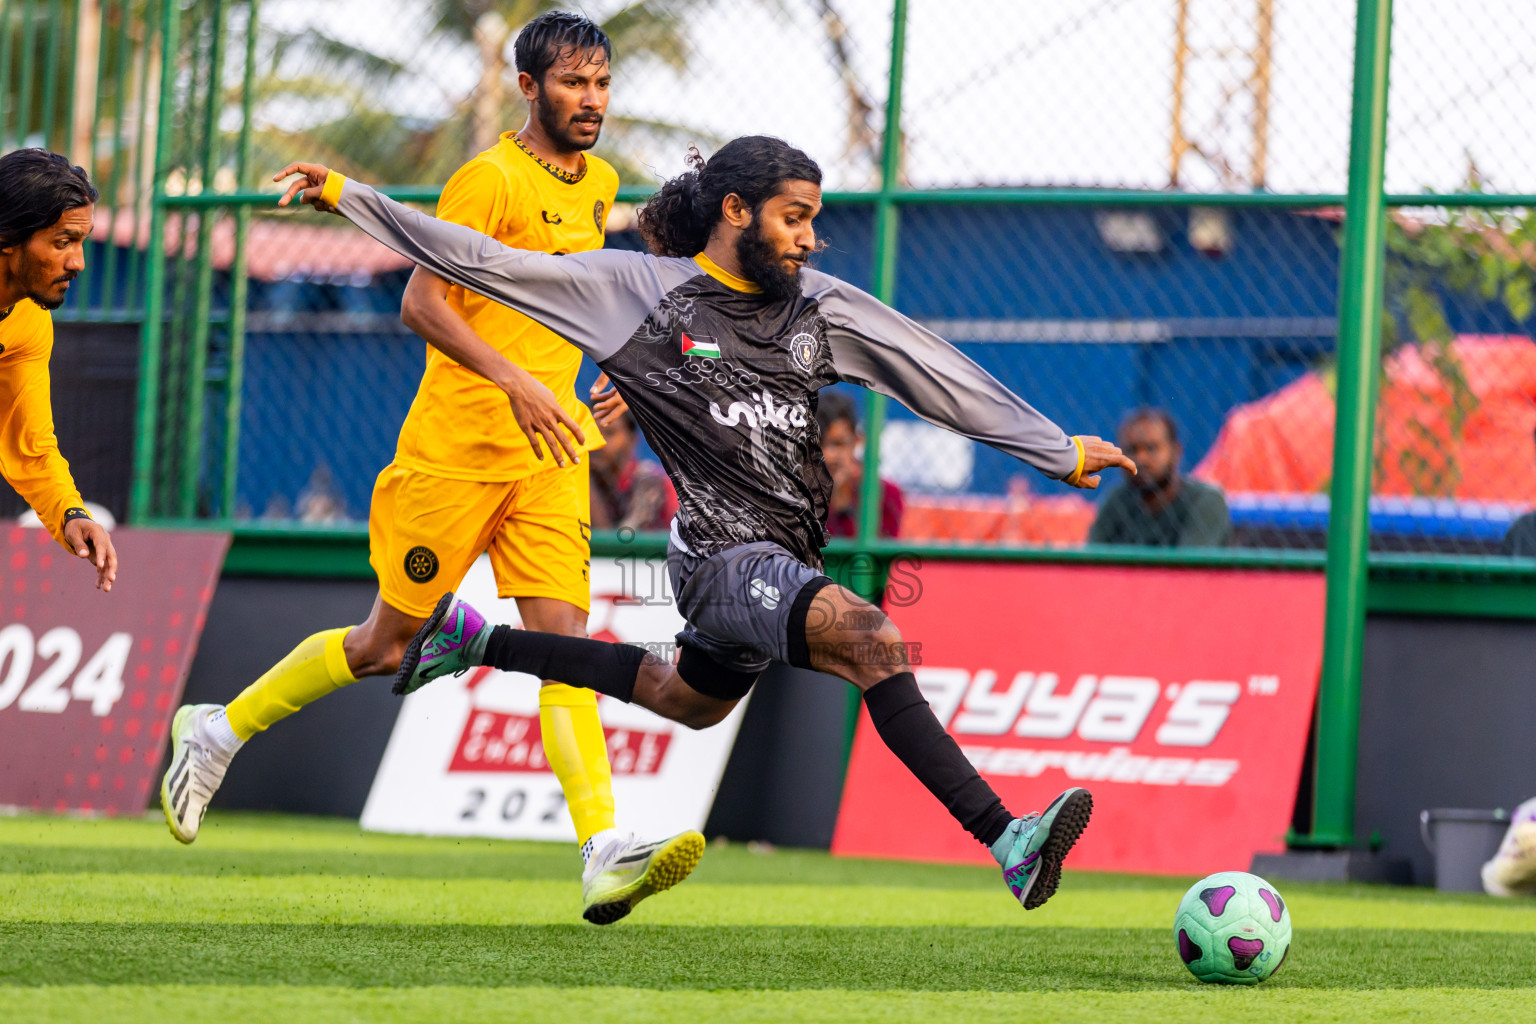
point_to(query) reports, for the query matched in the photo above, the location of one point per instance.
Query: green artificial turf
(291, 919)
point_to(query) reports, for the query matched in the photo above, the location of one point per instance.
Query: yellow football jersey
(29, 451)
(460, 425)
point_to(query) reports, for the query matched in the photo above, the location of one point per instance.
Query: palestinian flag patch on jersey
(704, 348)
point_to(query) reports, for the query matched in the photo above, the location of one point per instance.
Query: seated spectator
(1158, 507)
(842, 446)
(628, 492)
(1520, 538)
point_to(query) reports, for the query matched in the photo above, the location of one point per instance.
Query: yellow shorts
(424, 532)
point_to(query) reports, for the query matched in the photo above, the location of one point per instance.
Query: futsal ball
(1232, 928)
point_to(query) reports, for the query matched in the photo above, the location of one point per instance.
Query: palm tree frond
(327, 51)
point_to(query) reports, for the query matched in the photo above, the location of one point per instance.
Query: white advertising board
(465, 757)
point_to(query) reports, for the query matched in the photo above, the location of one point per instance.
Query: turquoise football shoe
(1032, 849)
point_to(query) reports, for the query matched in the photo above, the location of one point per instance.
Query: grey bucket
(1462, 841)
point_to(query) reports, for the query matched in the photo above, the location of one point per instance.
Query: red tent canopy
(1284, 442)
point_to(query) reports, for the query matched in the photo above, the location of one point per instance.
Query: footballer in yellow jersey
(488, 460)
(46, 209)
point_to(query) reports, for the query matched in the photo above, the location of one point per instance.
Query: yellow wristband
(330, 193)
(1077, 474)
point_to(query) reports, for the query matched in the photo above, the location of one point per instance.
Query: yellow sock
(316, 667)
(578, 754)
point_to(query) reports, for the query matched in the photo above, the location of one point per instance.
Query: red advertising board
(494, 741)
(1180, 698)
(89, 680)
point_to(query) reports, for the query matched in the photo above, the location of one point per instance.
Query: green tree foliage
(345, 89)
(1480, 256)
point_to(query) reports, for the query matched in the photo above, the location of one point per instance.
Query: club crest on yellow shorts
(421, 564)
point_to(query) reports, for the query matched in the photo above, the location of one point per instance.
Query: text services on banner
(1181, 698)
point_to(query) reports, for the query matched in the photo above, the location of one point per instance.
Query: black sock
(907, 725)
(573, 660)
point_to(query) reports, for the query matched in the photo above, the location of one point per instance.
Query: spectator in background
(321, 500)
(628, 492)
(1158, 507)
(1520, 539)
(842, 444)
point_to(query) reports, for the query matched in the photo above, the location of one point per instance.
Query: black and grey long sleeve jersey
(722, 380)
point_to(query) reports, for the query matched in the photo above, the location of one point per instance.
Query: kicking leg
(457, 638)
(205, 737)
(840, 634)
(851, 638)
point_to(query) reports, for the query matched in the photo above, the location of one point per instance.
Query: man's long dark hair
(36, 187)
(678, 219)
(553, 34)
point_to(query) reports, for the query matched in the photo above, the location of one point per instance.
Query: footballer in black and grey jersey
(722, 373)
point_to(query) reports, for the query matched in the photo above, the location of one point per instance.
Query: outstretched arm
(424, 309)
(878, 348)
(595, 300)
(30, 459)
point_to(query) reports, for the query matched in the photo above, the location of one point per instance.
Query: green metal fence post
(118, 151)
(6, 92)
(52, 44)
(146, 427)
(1360, 318)
(197, 360)
(183, 274)
(138, 187)
(887, 225)
(29, 16)
(241, 284)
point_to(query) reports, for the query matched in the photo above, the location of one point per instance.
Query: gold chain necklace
(569, 177)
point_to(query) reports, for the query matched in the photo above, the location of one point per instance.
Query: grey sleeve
(595, 300)
(878, 348)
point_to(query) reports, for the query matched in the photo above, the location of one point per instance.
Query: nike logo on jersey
(550, 218)
(762, 412)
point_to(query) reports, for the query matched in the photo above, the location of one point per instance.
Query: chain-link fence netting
(81, 78)
(1459, 111)
(1455, 451)
(1207, 95)
(327, 371)
(405, 91)
(1236, 344)
(1097, 314)
(1455, 465)
(284, 371)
